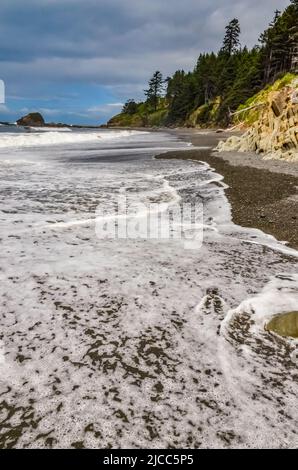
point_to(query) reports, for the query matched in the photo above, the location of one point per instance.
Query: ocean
(144, 338)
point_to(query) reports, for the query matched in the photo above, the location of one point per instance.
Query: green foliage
(158, 118)
(130, 107)
(231, 42)
(126, 120)
(249, 116)
(181, 93)
(144, 116)
(221, 81)
(279, 42)
(155, 89)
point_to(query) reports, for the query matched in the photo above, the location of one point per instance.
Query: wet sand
(263, 193)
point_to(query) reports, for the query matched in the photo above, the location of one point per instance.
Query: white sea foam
(259, 368)
(121, 343)
(49, 138)
(280, 295)
(51, 129)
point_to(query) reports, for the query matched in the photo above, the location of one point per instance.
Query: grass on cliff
(206, 115)
(209, 114)
(144, 117)
(252, 115)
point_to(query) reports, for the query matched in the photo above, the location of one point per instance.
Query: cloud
(50, 45)
(115, 105)
(4, 108)
(105, 109)
(99, 108)
(115, 28)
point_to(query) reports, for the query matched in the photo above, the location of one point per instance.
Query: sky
(78, 61)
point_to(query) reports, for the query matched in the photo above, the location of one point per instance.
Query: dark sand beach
(262, 193)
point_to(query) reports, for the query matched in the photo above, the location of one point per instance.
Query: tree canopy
(154, 91)
(231, 42)
(230, 76)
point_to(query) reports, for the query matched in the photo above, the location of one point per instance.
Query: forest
(220, 81)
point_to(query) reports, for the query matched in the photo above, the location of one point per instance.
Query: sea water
(136, 342)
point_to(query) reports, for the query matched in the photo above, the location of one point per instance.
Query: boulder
(279, 102)
(31, 119)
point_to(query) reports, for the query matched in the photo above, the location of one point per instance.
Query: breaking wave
(8, 140)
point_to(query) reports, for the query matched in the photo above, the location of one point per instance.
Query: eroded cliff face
(274, 133)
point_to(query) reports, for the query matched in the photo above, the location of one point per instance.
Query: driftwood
(247, 109)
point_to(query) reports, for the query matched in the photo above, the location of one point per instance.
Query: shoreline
(263, 193)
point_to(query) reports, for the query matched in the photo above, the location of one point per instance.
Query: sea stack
(31, 119)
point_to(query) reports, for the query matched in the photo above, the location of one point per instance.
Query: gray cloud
(115, 43)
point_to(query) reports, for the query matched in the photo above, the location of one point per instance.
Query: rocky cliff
(272, 116)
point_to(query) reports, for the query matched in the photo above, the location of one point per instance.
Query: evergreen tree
(231, 42)
(130, 107)
(155, 89)
(206, 73)
(279, 43)
(181, 94)
(221, 82)
(294, 36)
(246, 82)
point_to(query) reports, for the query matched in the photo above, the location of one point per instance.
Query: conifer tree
(130, 107)
(294, 37)
(279, 43)
(231, 42)
(154, 90)
(220, 82)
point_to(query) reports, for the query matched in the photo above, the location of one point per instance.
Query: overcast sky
(78, 60)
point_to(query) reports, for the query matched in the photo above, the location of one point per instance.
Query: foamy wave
(280, 295)
(51, 129)
(57, 138)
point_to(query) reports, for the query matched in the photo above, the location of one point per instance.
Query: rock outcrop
(32, 119)
(274, 133)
